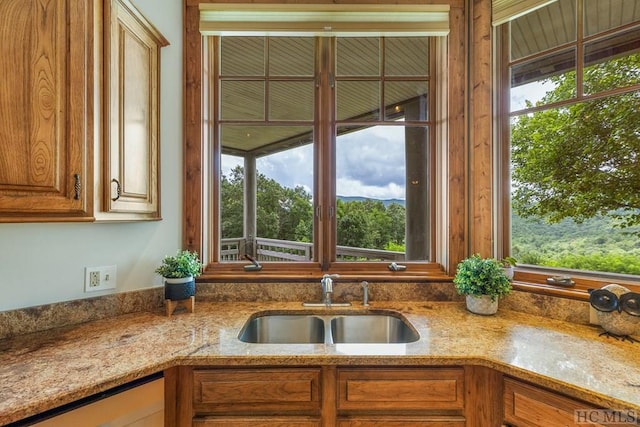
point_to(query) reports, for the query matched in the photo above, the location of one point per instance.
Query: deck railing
(286, 250)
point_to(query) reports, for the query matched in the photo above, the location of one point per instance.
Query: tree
(282, 213)
(581, 160)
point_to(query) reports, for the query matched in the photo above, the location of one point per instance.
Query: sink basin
(283, 329)
(327, 329)
(372, 328)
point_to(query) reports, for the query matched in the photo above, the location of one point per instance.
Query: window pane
(291, 56)
(543, 81)
(242, 100)
(406, 56)
(612, 62)
(291, 100)
(284, 204)
(603, 15)
(576, 185)
(232, 207)
(358, 56)
(282, 227)
(242, 56)
(373, 202)
(543, 29)
(358, 100)
(406, 99)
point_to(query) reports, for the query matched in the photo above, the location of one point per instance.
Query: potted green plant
(483, 281)
(507, 264)
(179, 272)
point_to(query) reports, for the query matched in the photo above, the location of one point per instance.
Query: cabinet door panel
(130, 181)
(45, 109)
(242, 390)
(529, 406)
(396, 389)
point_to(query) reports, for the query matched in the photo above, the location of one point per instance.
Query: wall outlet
(99, 278)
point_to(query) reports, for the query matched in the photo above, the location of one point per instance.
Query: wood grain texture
(480, 132)
(457, 155)
(238, 391)
(401, 389)
(528, 406)
(483, 400)
(46, 110)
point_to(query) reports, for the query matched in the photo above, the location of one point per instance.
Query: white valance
(507, 10)
(324, 19)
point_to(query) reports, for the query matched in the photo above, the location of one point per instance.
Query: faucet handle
(331, 276)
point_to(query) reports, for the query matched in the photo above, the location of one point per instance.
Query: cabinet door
(130, 179)
(257, 391)
(529, 406)
(46, 110)
(400, 389)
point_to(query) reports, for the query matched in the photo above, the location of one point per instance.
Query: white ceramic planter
(482, 305)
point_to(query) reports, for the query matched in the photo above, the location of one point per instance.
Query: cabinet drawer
(401, 389)
(241, 390)
(400, 422)
(529, 406)
(256, 422)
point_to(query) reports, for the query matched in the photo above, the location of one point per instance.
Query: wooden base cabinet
(400, 397)
(324, 396)
(526, 405)
(361, 396)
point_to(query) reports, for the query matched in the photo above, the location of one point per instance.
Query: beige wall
(44, 263)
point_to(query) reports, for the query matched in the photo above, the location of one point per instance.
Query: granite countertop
(44, 370)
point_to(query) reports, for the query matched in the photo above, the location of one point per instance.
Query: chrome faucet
(327, 292)
(327, 288)
(365, 293)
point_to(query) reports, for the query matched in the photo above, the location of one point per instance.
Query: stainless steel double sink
(296, 328)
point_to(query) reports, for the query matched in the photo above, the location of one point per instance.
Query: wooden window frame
(531, 278)
(450, 225)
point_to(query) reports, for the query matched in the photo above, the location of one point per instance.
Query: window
(571, 114)
(325, 148)
(319, 137)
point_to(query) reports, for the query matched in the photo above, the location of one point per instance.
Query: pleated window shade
(506, 10)
(325, 19)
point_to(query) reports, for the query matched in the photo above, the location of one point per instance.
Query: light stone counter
(44, 370)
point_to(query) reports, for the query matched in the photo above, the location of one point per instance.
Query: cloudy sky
(370, 163)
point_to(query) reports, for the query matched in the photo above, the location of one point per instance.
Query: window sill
(536, 282)
(292, 272)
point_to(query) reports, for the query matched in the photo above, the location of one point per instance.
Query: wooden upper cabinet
(130, 154)
(46, 110)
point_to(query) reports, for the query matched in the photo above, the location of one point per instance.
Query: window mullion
(325, 230)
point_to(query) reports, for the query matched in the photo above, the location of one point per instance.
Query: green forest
(597, 244)
(287, 214)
